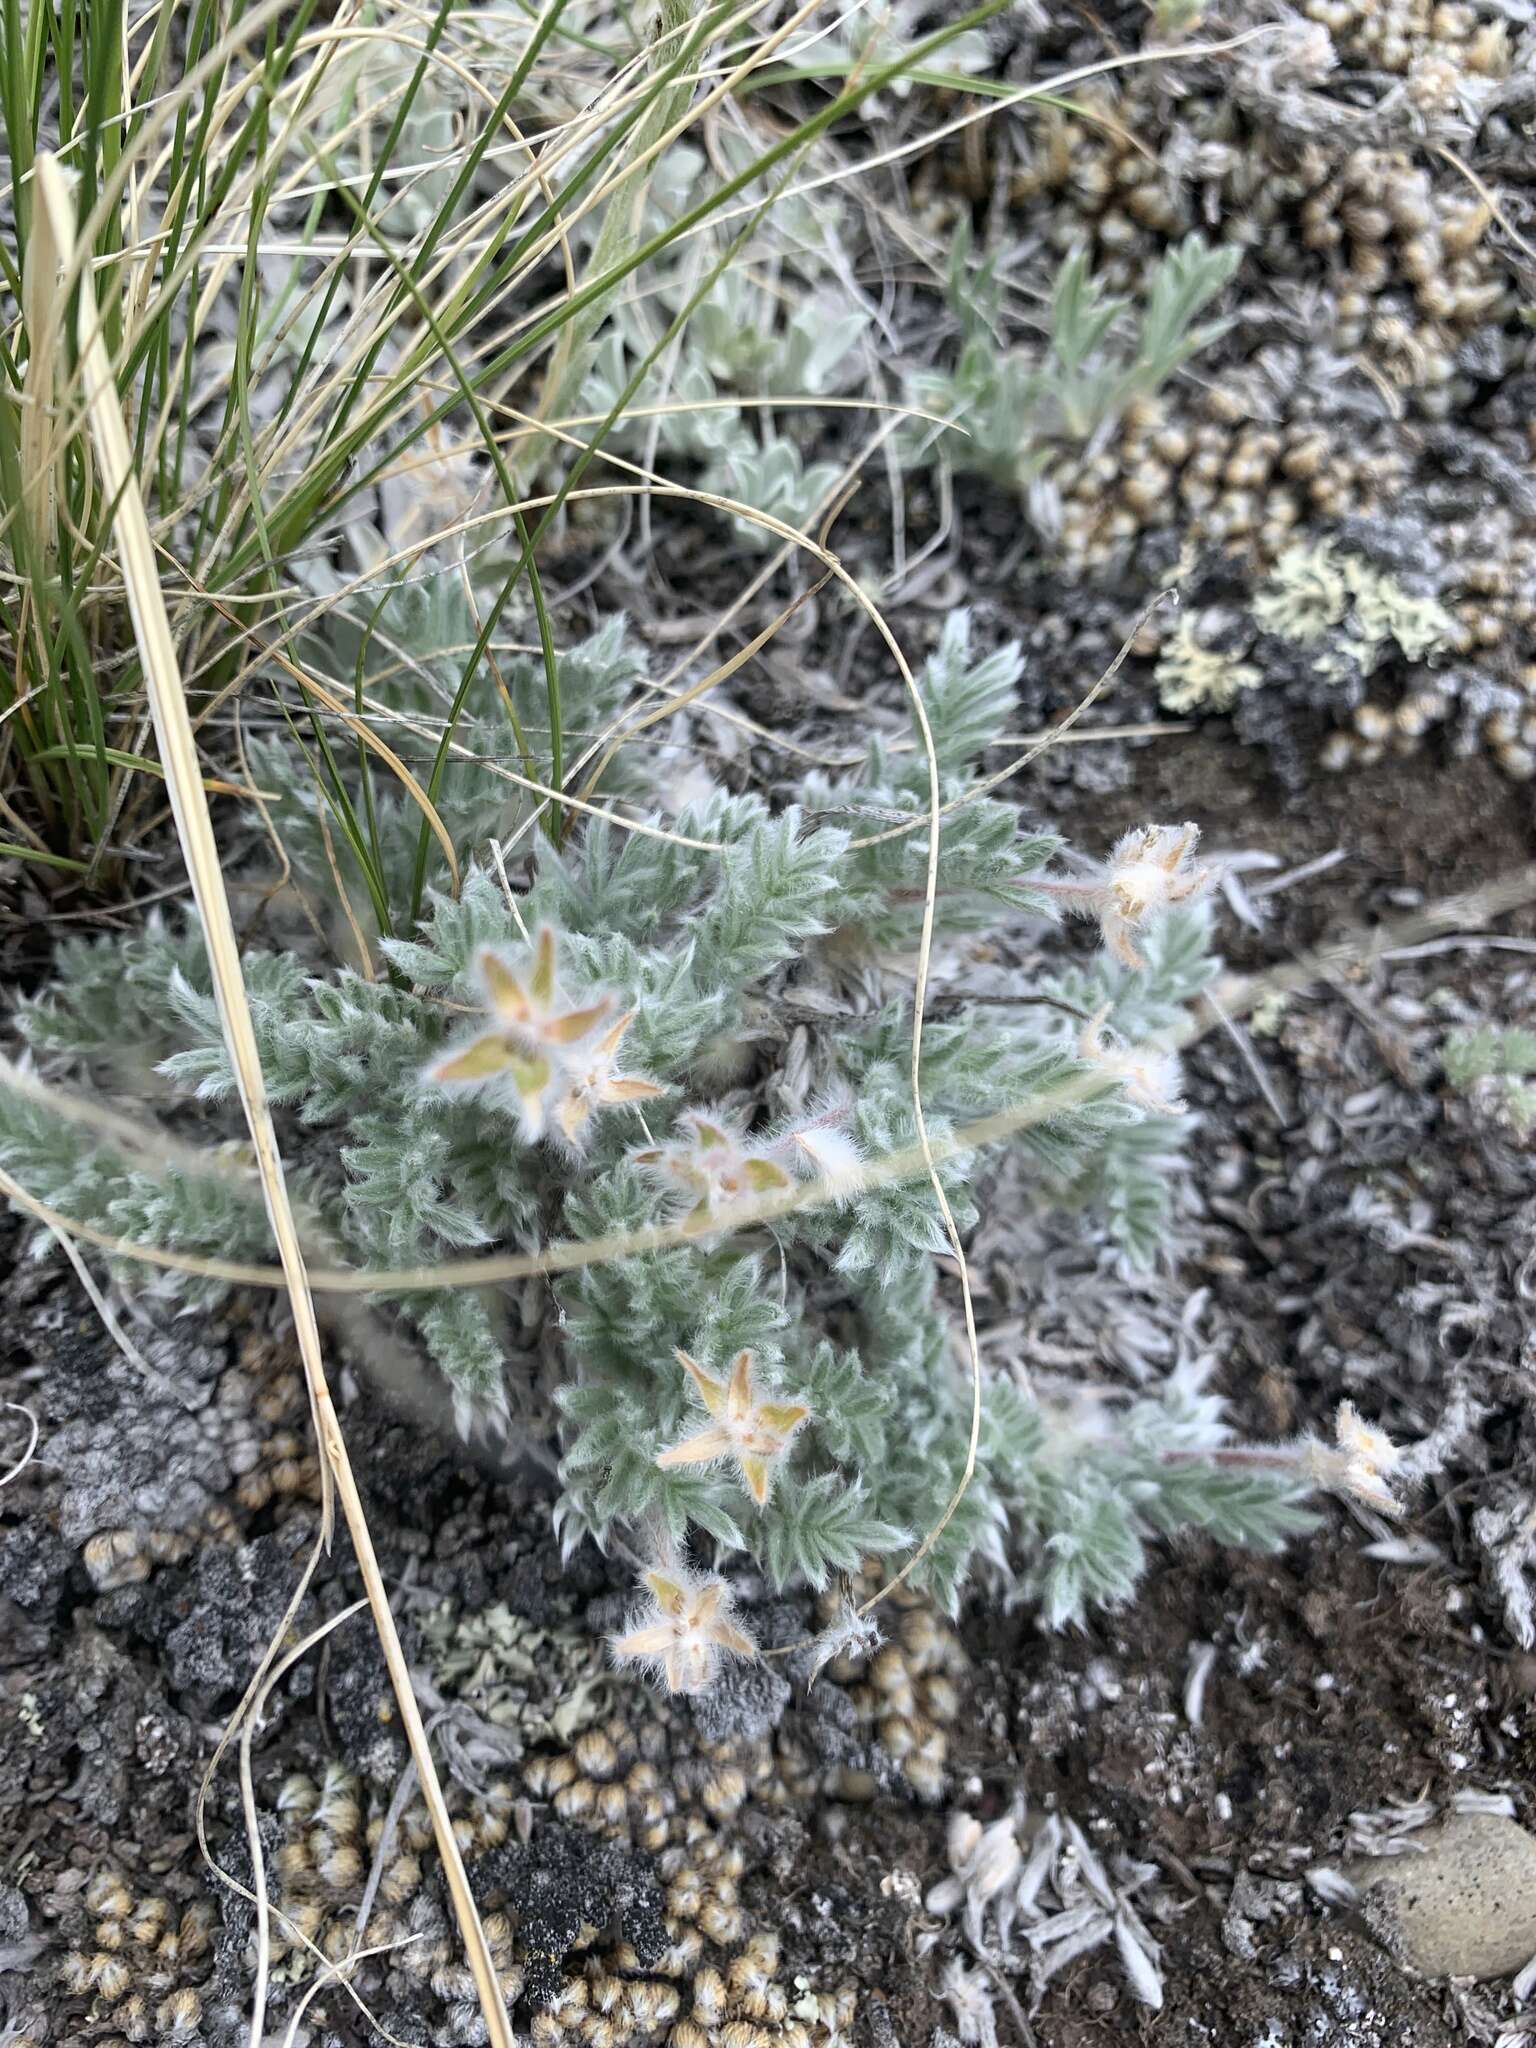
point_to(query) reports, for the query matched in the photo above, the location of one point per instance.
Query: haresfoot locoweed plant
(702, 1031)
(1010, 408)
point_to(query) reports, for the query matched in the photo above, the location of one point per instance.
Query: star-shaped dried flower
(1360, 1462)
(683, 1630)
(755, 1433)
(525, 1048)
(1149, 870)
(709, 1165)
(592, 1081)
(1149, 1077)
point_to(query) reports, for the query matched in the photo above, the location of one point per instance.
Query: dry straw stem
(244, 1721)
(790, 538)
(178, 753)
(259, 1899)
(289, 434)
(262, 654)
(983, 109)
(19, 1465)
(42, 447)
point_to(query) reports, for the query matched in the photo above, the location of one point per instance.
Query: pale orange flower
(592, 1081)
(709, 1165)
(755, 1434)
(525, 1047)
(685, 1628)
(1361, 1461)
(1149, 870)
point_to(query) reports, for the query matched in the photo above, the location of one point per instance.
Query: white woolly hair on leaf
(1039, 1864)
(970, 1999)
(851, 1634)
(1091, 1928)
(1471, 1801)
(1090, 1866)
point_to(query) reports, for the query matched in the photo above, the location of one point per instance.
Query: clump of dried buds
(849, 1634)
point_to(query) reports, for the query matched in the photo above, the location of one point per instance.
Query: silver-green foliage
(1501, 1067)
(1011, 408)
(758, 968)
(400, 655)
(778, 327)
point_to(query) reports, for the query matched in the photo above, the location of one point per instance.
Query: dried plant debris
(701, 1797)
(609, 1843)
(1033, 1897)
(597, 1938)
(1400, 1215)
(1448, 1892)
(504, 1668)
(1256, 325)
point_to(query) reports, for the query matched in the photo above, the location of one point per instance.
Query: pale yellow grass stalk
(194, 826)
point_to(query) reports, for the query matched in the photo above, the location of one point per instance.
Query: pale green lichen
(1194, 678)
(541, 1683)
(1315, 590)
(1348, 614)
(1307, 595)
(1385, 611)
(1497, 1068)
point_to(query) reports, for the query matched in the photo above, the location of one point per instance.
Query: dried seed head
(179, 2014)
(720, 1923)
(709, 1998)
(111, 1976)
(108, 1896)
(1360, 1462)
(401, 1879)
(652, 2004)
(596, 1754)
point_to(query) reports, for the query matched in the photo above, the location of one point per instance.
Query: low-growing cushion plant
(681, 1025)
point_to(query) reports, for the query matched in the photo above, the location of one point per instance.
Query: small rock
(1464, 1905)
